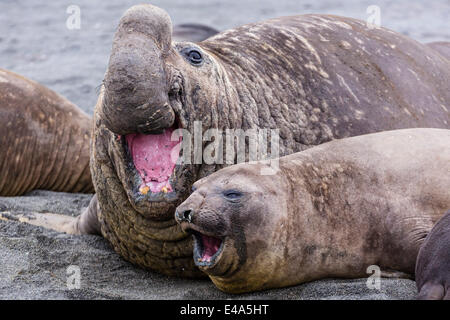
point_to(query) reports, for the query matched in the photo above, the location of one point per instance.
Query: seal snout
(206, 228)
(136, 97)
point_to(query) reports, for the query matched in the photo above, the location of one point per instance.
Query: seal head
(222, 214)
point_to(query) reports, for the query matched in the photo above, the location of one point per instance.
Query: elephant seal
(433, 262)
(44, 138)
(313, 77)
(330, 211)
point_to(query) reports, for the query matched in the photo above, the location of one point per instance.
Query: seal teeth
(144, 190)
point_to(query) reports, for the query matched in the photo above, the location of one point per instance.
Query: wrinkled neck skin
(158, 244)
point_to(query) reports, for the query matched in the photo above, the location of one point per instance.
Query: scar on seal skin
(315, 77)
(433, 263)
(329, 211)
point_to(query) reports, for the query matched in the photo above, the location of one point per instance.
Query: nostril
(187, 214)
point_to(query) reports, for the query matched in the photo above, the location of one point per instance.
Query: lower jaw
(158, 206)
(206, 265)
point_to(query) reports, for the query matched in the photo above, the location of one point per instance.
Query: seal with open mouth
(313, 77)
(330, 211)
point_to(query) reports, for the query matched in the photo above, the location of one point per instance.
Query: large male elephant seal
(433, 262)
(313, 77)
(330, 211)
(44, 139)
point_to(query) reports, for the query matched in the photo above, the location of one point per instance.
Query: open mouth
(206, 249)
(154, 156)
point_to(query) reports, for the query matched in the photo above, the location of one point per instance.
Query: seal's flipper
(432, 292)
(394, 274)
(433, 263)
(85, 223)
(57, 222)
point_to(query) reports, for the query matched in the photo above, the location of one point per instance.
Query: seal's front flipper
(58, 222)
(432, 292)
(393, 274)
(85, 223)
(433, 263)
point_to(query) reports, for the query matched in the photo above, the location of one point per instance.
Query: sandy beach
(35, 42)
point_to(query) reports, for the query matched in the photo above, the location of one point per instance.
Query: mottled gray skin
(44, 139)
(433, 263)
(330, 211)
(314, 77)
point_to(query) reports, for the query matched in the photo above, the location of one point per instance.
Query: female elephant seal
(433, 262)
(44, 139)
(313, 77)
(330, 211)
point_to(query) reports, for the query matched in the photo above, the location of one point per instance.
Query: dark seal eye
(194, 56)
(232, 195)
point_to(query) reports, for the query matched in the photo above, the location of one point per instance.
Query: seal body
(330, 211)
(442, 47)
(44, 139)
(313, 77)
(433, 262)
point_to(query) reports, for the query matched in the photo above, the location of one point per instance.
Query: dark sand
(35, 42)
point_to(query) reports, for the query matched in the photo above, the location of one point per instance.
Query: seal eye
(194, 56)
(232, 195)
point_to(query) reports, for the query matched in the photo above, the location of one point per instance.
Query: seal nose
(136, 96)
(184, 215)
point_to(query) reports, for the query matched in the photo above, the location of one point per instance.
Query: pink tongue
(210, 247)
(152, 158)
